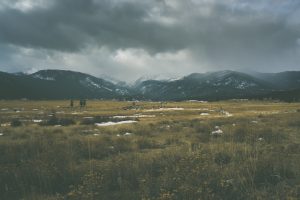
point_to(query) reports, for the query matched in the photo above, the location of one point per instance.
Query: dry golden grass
(167, 154)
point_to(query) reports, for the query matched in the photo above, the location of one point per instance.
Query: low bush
(16, 123)
(58, 121)
(145, 143)
(240, 134)
(222, 158)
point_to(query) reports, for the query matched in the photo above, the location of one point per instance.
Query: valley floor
(149, 150)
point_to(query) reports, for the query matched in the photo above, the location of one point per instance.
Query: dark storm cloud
(246, 34)
(70, 25)
(207, 34)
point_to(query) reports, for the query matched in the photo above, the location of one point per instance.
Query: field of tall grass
(169, 150)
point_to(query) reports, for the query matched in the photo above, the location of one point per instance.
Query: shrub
(265, 174)
(172, 140)
(87, 121)
(270, 136)
(56, 121)
(202, 128)
(50, 122)
(66, 121)
(122, 145)
(145, 143)
(295, 123)
(240, 134)
(204, 137)
(293, 148)
(16, 123)
(222, 158)
(270, 171)
(91, 188)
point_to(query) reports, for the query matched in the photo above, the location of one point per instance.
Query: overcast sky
(127, 39)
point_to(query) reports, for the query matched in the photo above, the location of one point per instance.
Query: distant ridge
(220, 85)
(58, 84)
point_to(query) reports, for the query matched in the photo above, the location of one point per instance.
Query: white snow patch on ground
(198, 101)
(217, 132)
(128, 134)
(143, 116)
(177, 109)
(266, 112)
(174, 109)
(115, 123)
(165, 109)
(226, 113)
(204, 114)
(125, 134)
(122, 116)
(76, 113)
(203, 109)
(133, 116)
(88, 118)
(37, 120)
(260, 139)
(87, 131)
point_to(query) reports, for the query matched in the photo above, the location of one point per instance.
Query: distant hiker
(71, 103)
(82, 103)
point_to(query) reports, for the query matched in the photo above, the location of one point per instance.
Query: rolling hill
(57, 84)
(208, 86)
(220, 85)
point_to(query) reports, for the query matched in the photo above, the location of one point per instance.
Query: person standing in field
(82, 103)
(71, 103)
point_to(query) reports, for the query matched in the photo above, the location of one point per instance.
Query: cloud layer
(130, 38)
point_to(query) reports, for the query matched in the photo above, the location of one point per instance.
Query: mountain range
(220, 85)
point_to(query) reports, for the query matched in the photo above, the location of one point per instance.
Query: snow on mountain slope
(43, 77)
(61, 84)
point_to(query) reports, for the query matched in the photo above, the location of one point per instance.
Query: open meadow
(234, 149)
